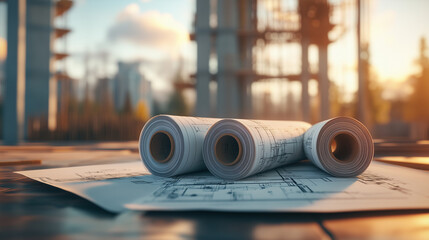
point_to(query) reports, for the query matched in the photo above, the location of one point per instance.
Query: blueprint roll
(171, 145)
(341, 146)
(235, 148)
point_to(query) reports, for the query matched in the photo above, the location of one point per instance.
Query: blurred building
(32, 79)
(131, 86)
(103, 92)
(41, 98)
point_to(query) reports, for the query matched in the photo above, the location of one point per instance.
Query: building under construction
(241, 42)
(36, 71)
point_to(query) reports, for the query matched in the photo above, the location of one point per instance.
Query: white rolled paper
(238, 148)
(234, 148)
(172, 145)
(341, 146)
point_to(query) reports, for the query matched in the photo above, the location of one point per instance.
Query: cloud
(3, 49)
(151, 29)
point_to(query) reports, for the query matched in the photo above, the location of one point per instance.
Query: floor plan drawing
(303, 182)
(300, 187)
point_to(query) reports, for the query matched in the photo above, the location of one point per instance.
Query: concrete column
(305, 68)
(40, 99)
(247, 23)
(228, 97)
(203, 39)
(14, 103)
(362, 81)
(324, 83)
(305, 77)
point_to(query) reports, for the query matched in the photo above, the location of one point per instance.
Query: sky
(395, 36)
(156, 31)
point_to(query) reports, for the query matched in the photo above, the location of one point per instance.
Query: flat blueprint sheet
(295, 188)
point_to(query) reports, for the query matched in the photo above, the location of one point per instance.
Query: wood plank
(379, 226)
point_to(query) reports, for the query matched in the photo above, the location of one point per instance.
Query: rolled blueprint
(172, 145)
(236, 148)
(341, 146)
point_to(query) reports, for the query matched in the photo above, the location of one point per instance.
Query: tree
(142, 111)
(177, 104)
(377, 108)
(419, 101)
(127, 109)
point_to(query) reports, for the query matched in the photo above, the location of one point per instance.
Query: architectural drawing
(301, 187)
(303, 182)
(238, 148)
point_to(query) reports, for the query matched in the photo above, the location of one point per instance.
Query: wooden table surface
(33, 210)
